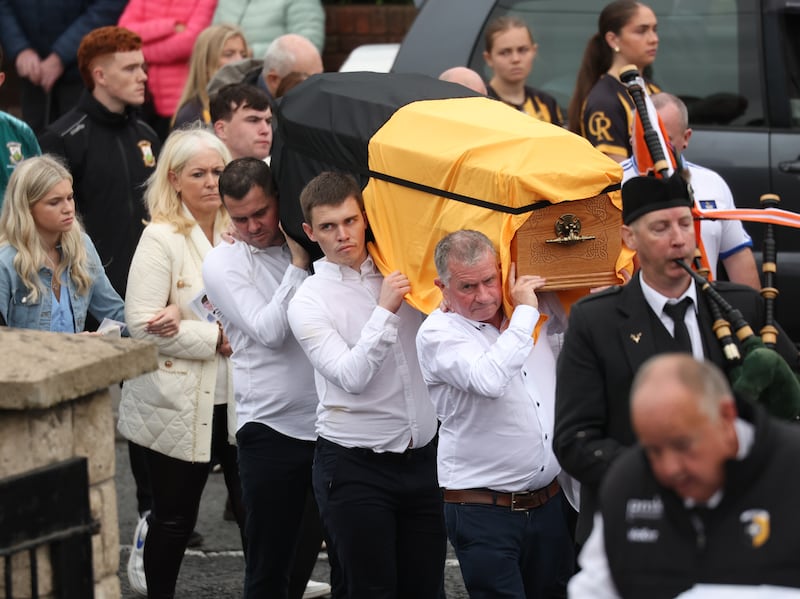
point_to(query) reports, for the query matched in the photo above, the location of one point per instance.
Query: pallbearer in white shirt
(375, 464)
(250, 282)
(494, 392)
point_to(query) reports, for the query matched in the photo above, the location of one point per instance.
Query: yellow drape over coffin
(482, 149)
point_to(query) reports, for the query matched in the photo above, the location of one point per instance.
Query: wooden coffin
(432, 161)
(572, 244)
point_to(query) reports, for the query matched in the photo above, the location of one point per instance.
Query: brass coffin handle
(568, 229)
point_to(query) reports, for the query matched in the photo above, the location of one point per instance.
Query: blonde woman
(179, 412)
(50, 273)
(215, 47)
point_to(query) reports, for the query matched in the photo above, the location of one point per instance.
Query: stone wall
(350, 26)
(54, 405)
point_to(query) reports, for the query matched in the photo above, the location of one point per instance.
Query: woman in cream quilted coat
(179, 412)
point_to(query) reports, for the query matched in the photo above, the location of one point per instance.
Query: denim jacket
(19, 311)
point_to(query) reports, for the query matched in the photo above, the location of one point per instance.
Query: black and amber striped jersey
(537, 103)
(607, 116)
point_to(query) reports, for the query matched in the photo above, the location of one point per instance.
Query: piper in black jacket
(109, 149)
(611, 334)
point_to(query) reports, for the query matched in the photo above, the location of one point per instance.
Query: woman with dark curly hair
(601, 109)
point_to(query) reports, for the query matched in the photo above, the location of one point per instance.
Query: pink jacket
(166, 51)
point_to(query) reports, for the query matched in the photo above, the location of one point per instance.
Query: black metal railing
(49, 507)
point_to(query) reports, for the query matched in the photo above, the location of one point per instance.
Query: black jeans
(141, 476)
(383, 513)
(507, 554)
(177, 486)
(282, 523)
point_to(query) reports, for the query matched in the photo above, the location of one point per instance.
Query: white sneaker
(316, 589)
(136, 560)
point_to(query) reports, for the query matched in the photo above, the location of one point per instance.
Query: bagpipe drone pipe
(756, 371)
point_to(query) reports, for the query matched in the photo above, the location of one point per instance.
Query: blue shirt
(20, 311)
(61, 320)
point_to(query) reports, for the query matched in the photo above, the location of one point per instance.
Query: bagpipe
(756, 371)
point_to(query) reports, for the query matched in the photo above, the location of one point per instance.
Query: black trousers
(383, 514)
(141, 476)
(176, 487)
(283, 529)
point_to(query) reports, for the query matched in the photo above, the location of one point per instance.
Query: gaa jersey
(607, 116)
(537, 104)
(19, 142)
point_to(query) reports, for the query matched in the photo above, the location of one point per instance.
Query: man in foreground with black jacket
(708, 497)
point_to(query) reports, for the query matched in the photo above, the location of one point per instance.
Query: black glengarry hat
(641, 195)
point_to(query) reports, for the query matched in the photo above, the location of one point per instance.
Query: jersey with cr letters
(607, 116)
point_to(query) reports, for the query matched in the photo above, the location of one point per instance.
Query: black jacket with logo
(110, 155)
(657, 547)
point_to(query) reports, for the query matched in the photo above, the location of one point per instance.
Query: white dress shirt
(495, 397)
(371, 392)
(273, 381)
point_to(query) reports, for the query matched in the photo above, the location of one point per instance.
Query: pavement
(216, 570)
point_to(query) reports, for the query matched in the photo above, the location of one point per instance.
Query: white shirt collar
(657, 301)
(479, 324)
(275, 250)
(339, 271)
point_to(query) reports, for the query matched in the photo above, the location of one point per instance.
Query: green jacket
(262, 21)
(18, 143)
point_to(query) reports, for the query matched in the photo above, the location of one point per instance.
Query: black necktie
(677, 312)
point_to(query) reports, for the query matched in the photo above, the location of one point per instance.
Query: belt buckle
(521, 494)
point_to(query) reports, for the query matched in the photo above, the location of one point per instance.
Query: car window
(790, 40)
(709, 53)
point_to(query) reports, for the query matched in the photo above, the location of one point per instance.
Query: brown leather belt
(525, 500)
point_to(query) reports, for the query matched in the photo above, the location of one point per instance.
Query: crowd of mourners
(596, 449)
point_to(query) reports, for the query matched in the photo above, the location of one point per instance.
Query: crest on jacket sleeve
(756, 525)
(148, 157)
(15, 152)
